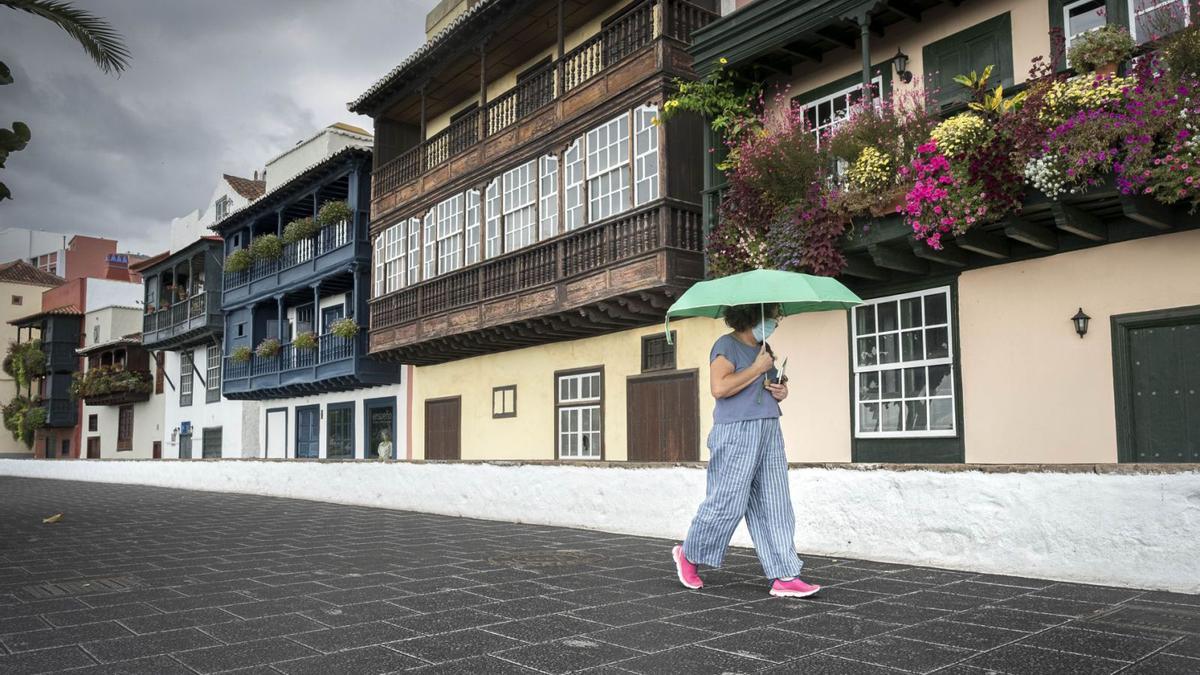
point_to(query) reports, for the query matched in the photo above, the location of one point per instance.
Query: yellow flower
(723, 60)
(654, 121)
(959, 134)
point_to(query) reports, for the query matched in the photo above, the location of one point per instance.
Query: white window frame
(902, 365)
(414, 250)
(578, 407)
(547, 197)
(378, 249)
(450, 234)
(645, 155)
(573, 204)
(519, 205)
(609, 183)
(1066, 17)
(473, 234)
(430, 253)
(494, 243)
(1150, 6)
(393, 251)
(835, 119)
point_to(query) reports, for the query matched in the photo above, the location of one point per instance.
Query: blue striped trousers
(747, 478)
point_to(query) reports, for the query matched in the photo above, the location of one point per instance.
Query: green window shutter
(981, 45)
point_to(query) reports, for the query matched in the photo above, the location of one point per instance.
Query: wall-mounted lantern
(1081, 322)
(900, 61)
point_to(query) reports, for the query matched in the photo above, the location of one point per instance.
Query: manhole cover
(1179, 620)
(546, 558)
(58, 589)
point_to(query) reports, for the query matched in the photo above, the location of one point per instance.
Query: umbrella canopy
(795, 293)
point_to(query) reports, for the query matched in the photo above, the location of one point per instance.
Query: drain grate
(59, 589)
(561, 558)
(1177, 620)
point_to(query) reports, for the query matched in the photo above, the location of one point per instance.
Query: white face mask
(764, 329)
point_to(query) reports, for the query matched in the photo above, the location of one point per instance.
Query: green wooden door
(982, 45)
(1158, 386)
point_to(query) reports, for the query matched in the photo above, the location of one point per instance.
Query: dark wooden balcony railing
(329, 238)
(622, 37)
(181, 312)
(665, 224)
(330, 349)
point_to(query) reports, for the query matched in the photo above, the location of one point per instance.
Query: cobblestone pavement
(194, 582)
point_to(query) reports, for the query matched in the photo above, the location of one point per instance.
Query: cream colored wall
(816, 414)
(1033, 391)
(501, 83)
(31, 303)
(530, 435)
(1030, 32)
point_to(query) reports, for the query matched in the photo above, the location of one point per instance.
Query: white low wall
(1129, 528)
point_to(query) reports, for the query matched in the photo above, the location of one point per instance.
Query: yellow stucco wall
(1033, 391)
(530, 435)
(816, 414)
(31, 303)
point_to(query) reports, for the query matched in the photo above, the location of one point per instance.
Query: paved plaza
(157, 581)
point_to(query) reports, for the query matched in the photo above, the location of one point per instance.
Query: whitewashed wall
(238, 419)
(1107, 527)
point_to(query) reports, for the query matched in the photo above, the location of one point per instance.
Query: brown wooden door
(664, 417)
(443, 428)
(93, 447)
(157, 449)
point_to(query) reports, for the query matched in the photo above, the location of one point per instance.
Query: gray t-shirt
(751, 403)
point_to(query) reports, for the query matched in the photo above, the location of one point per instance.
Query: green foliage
(242, 354)
(305, 341)
(24, 363)
(22, 417)
(106, 380)
(299, 230)
(344, 328)
(728, 106)
(238, 261)
(1182, 52)
(334, 212)
(1108, 44)
(267, 348)
(990, 102)
(266, 247)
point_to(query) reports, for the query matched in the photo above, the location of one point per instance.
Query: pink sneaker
(793, 589)
(686, 569)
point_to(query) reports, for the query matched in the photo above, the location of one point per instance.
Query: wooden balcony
(185, 322)
(610, 276)
(646, 41)
(332, 249)
(335, 364)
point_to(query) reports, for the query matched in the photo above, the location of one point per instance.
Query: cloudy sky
(215, 86)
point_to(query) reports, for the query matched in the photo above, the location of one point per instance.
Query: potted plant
(241, 354)
(334, 212)
(344, 328)
(299, 230)
(305, 341)
(238, 261)
(267, 247)
(1101, 50)
(267, 348)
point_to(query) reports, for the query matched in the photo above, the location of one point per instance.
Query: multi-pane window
(658, 353)
(210, 442)
(826, 113)
(212, 392)
(608, 169)
(573, 186)
(430, 246)
(378, 252)
(548, 196)
(221, 208)
(185, 378)
(1082, 16)
(472, 227)
(519, 207)
(1153, 19)
(414, 250)
(578, 399)
(903, 366)
(492, 199)
(339, 427)
(645, 155)
(389, 259)
(450, 234)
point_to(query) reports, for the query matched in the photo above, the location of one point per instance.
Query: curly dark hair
(741, 317)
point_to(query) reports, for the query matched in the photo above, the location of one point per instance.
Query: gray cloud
(215, 86)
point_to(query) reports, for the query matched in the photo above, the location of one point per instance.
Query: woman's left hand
(779, 391)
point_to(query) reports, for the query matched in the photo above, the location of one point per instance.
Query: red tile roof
(65, 310)
(148, 262)
(21, 272)
(250, 189)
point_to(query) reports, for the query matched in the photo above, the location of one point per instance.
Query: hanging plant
(104, 380)
(267, 247)
(267, 348)
(241, 354)
(22, 417)
(344, 328)
(238, 261)
(334, 212)
(305, 341)
(1101, 49)
(299, 230)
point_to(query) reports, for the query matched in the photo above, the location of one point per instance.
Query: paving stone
(518, 589)
(1006, 580)
(524, 608)
(176, 620)
(40, 607)
(924, 575)
(632, 573)
(963, 635)
(131, 596)
(1107, 645)
(363, 661)
(153, 644)
(1188, 646)
(599, 596)
(332, 615)
(314, 589)
(1030, 603)
(44, 661)
(349, 637)
(200, 602)
(1024, 660)
(770, 644)
(567, 655)
(255, 610)
(653, 636)
(82, 616)
(154, 665)
(1010, 618)
(454, 646)
(825, 664)
(354, 596)
(723, 620)
(490, 665)
(22, 624)
(782, 608)
(844, 597)
(622, 613)
(984, 590)
(437, 602)
(897, 652)
(947, 601)
(260, 629)
(60, 637)
(1085, 593)
(449, 621)
(688, 601)
(893, 612)
(1166, 664)
(243, 655)
(695, 661)
(542, 628)
(885, 585)
(837, 626)
(1170, 598)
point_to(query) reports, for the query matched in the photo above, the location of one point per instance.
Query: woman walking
(747, 466)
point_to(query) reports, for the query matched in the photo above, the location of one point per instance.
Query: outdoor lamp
(1081, 322)
(900, 61)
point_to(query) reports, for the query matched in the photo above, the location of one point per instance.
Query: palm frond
(94, 33)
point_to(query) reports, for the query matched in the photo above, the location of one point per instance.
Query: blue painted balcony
(331, 250)
(183, 304)
(334, 364)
